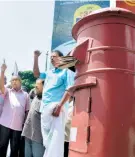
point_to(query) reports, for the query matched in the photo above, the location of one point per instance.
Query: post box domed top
(105, 12)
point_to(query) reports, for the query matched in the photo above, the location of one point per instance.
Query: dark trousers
(7, 135)
(22, 147)
(66, 145)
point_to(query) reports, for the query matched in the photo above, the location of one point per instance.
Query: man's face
(54, 59)
(39, 86)
(16, 82)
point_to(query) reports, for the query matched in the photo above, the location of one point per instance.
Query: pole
(46, 61)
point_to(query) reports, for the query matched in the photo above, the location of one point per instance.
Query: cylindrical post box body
(103, 123)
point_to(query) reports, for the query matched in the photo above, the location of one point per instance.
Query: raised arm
(3, 69)
(36, 70)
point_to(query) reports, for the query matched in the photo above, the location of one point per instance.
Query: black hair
(58, 52)
(41, 80)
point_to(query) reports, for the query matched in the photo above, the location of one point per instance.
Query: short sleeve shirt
(56, 83)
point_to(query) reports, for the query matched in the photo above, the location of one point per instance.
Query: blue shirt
(57, 81)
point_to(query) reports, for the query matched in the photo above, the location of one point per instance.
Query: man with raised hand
(16, 104)
(55, 95)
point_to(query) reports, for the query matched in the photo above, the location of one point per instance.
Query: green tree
(28, 79)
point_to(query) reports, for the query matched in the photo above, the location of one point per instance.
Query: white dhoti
(68, 120)
(52, 131)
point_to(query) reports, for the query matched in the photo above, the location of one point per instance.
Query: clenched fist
(37, 53)
(3, 67)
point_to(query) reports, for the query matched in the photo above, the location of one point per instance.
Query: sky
(25, 26)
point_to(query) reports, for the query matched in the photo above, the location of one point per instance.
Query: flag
(15, 72)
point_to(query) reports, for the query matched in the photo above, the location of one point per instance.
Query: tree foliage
(28, 79)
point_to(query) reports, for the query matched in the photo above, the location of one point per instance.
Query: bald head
(16, 78)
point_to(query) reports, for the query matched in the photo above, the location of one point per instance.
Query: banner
(66, 14)
(126, 4)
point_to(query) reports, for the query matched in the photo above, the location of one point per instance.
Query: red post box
(103, 124)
